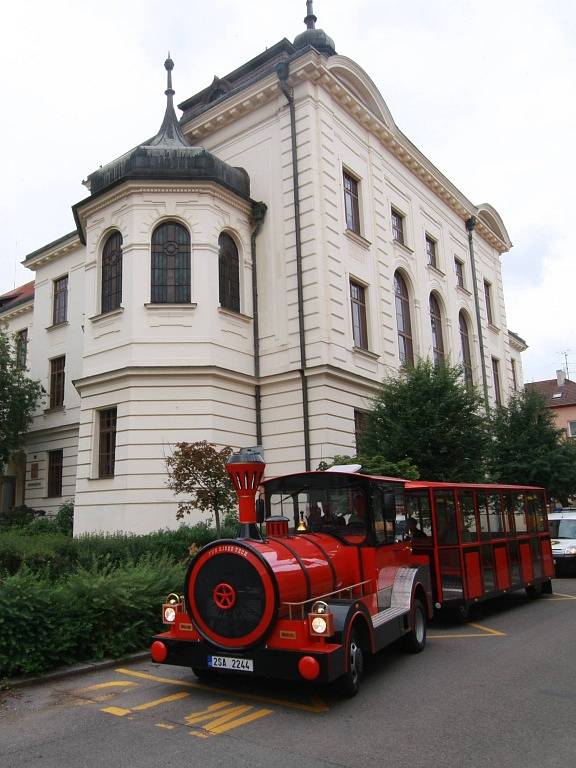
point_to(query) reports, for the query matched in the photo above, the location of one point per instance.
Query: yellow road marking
(111, 684)
(165, 725)
(560, 596)
(121, 711)
(207, 713)
(118, 711)
(490, 631)
(487, 632)
(317, 706)
(240, 721)
(222, 717)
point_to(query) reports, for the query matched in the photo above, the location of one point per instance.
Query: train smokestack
(246, 469)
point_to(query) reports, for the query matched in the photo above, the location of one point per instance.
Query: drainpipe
(470, 224)
(258, 215)
(282, 72)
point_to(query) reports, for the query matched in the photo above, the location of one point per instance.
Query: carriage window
(385, 504)
(531, 511)
(495, 515)
(508, 512)
(446, 530)
(418, 508)
(467, 516)
(483, 516)
(536, 501)
(519, 513)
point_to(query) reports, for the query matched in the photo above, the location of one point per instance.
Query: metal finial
(310, 19)
(169, 66)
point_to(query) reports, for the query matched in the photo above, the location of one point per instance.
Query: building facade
(247, 277)
(560, 397)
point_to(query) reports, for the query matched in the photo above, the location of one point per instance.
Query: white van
(563, 534)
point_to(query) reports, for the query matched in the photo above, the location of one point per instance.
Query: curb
(76, 669)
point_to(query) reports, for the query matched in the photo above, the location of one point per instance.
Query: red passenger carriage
(328, 579)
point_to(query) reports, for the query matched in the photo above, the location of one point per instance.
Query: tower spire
(170, 134)
(310, 19)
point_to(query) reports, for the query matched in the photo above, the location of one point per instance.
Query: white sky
(487, 90)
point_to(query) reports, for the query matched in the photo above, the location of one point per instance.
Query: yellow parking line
(208, 713)
(560, 596)
(111, 684)
(486, 632)
(122, 711)
(317, 706)
(240, 721)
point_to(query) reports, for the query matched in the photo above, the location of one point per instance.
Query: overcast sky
(487, 90)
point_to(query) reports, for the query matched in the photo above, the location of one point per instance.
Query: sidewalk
(75, 669)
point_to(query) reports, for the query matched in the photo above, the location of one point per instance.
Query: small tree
(426, 416)
(19, 397)
(198, 470)
(528, 448)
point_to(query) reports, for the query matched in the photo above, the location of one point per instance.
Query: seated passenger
(413, 531)
(358, 517)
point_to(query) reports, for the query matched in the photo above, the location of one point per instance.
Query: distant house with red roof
(560, 396)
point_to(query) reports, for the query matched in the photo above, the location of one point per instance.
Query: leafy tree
(19, 398)
(428, 417)
(528, 448)
(376, 465)
(199, 471)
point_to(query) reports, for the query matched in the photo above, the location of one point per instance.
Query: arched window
(111, 296)
(170, 264)
(436, 323)
(466, 355)
(403, 322)
(229, 273)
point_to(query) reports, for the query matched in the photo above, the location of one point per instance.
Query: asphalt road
(498, 692)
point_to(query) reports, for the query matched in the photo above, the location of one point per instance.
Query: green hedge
(55, 554)
(90, 614)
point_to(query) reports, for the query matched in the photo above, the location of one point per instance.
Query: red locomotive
(332, 579)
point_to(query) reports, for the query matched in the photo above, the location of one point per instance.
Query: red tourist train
(347, 563)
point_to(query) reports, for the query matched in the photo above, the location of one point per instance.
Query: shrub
(91, 614)
(65, 517)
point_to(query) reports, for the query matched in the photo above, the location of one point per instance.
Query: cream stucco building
(248, 276)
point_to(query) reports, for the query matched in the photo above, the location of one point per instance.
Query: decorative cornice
(314, 68)
(88, 207)
(182, 371)
(19, 309)
(53, 250)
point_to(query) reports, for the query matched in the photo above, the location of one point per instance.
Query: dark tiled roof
(554, 395)
(18, 296)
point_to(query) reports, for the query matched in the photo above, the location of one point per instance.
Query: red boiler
(235, 589)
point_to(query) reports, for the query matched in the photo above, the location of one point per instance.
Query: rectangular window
(57, 366)
(459, 270)
(496, 377)
(514, 376)
(447, 532)
(488, 298)
(60, 306)
(106, 442)
(55, 461)
(431, 251)
(397, 226)
(21, 349)
(572, 428)
(360, 421)
(351, 207)
(359, 328)
(467, 516)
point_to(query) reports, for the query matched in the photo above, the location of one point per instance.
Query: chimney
(560, 378)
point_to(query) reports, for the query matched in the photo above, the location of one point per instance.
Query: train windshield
(348, 506)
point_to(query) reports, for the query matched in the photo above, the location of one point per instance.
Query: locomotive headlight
(169, 615)
(319, 625)
(320, 620)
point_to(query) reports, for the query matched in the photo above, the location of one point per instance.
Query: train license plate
(231, 663)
